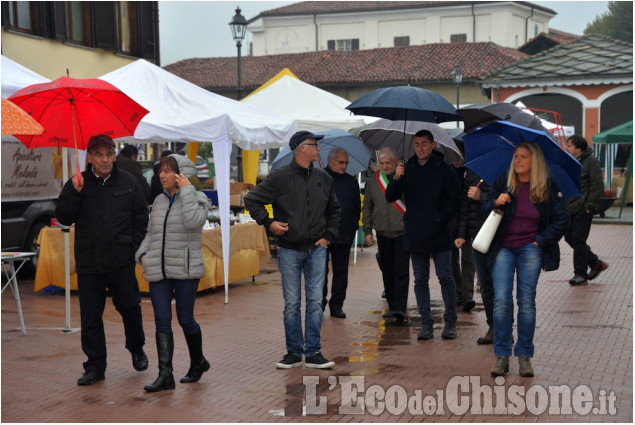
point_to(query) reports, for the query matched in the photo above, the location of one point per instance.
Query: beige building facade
(508, 24)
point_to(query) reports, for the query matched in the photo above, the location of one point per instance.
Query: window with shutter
(105, 25)
(79, 28)
(127, 27)
(330, 44)
(24, 16)
(59, 20)
(403, 41)
(355, 44)
(146, 30)
(458, 38)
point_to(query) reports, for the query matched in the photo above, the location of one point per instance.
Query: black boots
(198, 364)
(165, 350)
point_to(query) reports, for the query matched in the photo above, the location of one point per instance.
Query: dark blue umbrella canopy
(489, 152)
(405, 103)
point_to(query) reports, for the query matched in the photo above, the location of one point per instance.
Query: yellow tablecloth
(249, 248)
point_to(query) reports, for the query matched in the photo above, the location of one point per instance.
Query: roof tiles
(591, 56)
(430, 63)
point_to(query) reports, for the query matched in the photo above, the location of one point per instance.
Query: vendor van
(31, 182)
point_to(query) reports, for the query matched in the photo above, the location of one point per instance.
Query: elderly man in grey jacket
(387, 220)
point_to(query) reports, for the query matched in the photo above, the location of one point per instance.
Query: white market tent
(15, 77)
(184, 112)
(313, 109)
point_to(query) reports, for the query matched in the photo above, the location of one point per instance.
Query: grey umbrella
(481, 114)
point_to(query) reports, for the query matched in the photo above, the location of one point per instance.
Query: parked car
(202, 169)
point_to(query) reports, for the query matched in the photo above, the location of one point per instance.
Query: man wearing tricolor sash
(387, 220)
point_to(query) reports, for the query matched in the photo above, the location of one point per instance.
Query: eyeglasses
(109, 154)
(309, 144)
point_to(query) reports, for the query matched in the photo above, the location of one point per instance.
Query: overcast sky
(200, 29)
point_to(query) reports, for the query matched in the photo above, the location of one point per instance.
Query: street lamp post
(457, 76)
(238, 26)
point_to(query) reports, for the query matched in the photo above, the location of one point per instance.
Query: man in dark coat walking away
(347, 194)
(586, 264)
(111, 218)
(432, 196)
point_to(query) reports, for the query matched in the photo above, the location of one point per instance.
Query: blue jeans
(525, 262)
(443, 266)
(292, 264)
(184, 294)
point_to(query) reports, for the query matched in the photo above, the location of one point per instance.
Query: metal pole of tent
(67, 249)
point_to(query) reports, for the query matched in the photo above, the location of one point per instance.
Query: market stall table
(249, 247)
(9, 259)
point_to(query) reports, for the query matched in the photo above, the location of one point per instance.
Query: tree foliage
(205, 150)
(617, 23)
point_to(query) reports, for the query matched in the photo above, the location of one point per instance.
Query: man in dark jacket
(581, 210)
(347, 194)
(433, 196)
(475, 192)
(110, 216)
(306, 218)
(127, 161)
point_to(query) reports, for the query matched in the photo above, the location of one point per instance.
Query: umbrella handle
(79, 174)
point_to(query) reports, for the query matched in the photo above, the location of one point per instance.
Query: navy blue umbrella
(405, 103)
(489, 153)
(358, 153)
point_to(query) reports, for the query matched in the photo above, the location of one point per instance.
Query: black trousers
(395, 269)
(484, 274)
(124, 290)
(576, 237)
(339, 254)
(463, 272)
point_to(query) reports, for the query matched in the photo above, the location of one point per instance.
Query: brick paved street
(584, 337)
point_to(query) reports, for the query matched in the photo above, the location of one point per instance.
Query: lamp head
(457, 74)
(238, 26)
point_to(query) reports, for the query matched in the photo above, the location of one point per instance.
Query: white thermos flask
(483, 239)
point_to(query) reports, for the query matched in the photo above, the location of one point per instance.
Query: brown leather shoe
(524, 367)
(487, 339)
(501, 367)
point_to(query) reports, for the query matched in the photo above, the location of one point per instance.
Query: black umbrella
(482, 114)
(405, 103)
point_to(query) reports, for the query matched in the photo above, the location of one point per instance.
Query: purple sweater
(523, 228)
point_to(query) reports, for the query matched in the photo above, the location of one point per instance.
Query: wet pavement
(583, 360)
